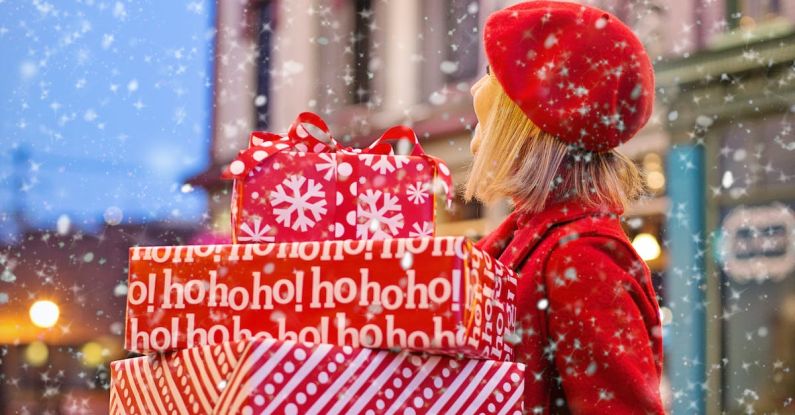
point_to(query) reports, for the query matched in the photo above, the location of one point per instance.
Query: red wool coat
(588, 317)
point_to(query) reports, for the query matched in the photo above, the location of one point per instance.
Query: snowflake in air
(417, 193)
(255, 233)
(379, 215)
(384, 164)
(421, 231)
(291, 197)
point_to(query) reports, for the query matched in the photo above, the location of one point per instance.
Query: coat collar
(516, 237)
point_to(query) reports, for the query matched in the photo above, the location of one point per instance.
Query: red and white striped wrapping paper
(265, 376)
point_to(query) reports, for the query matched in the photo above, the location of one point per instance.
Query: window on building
(362, 27)
(348, 49)
(462, 23)
(450, 44)
(264, 36)
(747, 13)
(755, 157)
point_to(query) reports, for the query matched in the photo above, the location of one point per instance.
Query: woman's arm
(600, 325)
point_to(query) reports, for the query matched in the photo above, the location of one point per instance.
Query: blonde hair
(516, 159)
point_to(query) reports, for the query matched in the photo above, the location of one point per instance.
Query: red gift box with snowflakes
(439, 295)
(304, 186)
(267, 376)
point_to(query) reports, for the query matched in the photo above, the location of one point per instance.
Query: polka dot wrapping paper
(438, 295)
(304, 186)
(265, 376)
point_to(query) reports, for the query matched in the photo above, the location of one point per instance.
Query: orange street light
(44, 313)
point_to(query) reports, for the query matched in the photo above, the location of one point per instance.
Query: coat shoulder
(602, 270)
(598, 248)
(618, 249)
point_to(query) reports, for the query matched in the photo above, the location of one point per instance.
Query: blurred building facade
(718, 152)
(725, 105)
(63, 369)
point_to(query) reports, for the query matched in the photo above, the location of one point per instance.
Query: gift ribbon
(310, 134)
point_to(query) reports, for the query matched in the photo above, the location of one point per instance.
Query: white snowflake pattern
(299, 201)
(378, 222)
(426, 229)
(384, 163)
(329, 165)
(418, 192)
(257, 233)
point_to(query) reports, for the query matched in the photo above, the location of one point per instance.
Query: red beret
(576, 71)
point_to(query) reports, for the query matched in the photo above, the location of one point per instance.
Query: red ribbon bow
(310, 134)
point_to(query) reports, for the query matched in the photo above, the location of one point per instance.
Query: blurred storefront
(717, 227)
(729, 108)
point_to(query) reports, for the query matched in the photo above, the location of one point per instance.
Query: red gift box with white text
(268, 376)
(305, 186)
(439, 295)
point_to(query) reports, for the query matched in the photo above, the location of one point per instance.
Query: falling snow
(117, 115)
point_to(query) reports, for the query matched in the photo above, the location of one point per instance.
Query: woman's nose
(474, 87)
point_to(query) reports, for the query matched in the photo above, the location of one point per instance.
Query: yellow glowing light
(647, 246)
(44, 313)
(93, 354)
(655, 180)
(655, 177)
(37, 353)
(652, 161)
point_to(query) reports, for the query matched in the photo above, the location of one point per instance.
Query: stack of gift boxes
(335, 296)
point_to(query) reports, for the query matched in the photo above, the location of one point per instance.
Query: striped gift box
(274, 377)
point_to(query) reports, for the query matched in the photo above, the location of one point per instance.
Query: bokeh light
(44, 313)
(647, 246)
(93, 354)
(37, 353)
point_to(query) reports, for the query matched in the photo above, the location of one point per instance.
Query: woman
(566, 85)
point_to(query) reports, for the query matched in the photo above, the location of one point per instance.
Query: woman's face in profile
(484, 92)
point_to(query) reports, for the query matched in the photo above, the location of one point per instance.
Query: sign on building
(759, 243)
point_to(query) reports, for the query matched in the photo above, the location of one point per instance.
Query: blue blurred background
(104, 111)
